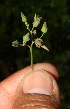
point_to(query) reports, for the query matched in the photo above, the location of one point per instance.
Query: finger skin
(11, 82)
(35, 101)
(9, 85)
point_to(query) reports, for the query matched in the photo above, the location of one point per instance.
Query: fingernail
(39, 82)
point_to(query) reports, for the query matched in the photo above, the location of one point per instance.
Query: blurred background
(57, 15)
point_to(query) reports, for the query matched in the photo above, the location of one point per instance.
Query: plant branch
(31, 51)
(42, 35)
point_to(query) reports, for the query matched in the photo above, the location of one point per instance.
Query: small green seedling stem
(31, 51)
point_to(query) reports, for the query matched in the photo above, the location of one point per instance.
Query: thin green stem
(28, 29)
(31, 48)
(31, 30)
(27, 25)
(42, 35)
(31, 51)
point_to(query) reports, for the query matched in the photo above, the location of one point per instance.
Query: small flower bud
(36, 21)
(38, 42)
(34, 32)
(44, 28)
(15, 43)
(24, 19)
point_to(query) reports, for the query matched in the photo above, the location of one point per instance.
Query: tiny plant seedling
(38, 41)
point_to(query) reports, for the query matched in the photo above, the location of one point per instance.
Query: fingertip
(49, 68)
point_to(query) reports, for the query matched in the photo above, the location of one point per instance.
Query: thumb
(37, 90)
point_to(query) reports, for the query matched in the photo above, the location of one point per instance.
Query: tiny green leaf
(43, 46)
(24, 19)
(26, 39)
(15, 43)
(44, 28)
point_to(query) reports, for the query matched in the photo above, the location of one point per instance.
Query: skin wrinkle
(35, 100)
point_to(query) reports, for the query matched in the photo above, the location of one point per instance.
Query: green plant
(38, 41)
